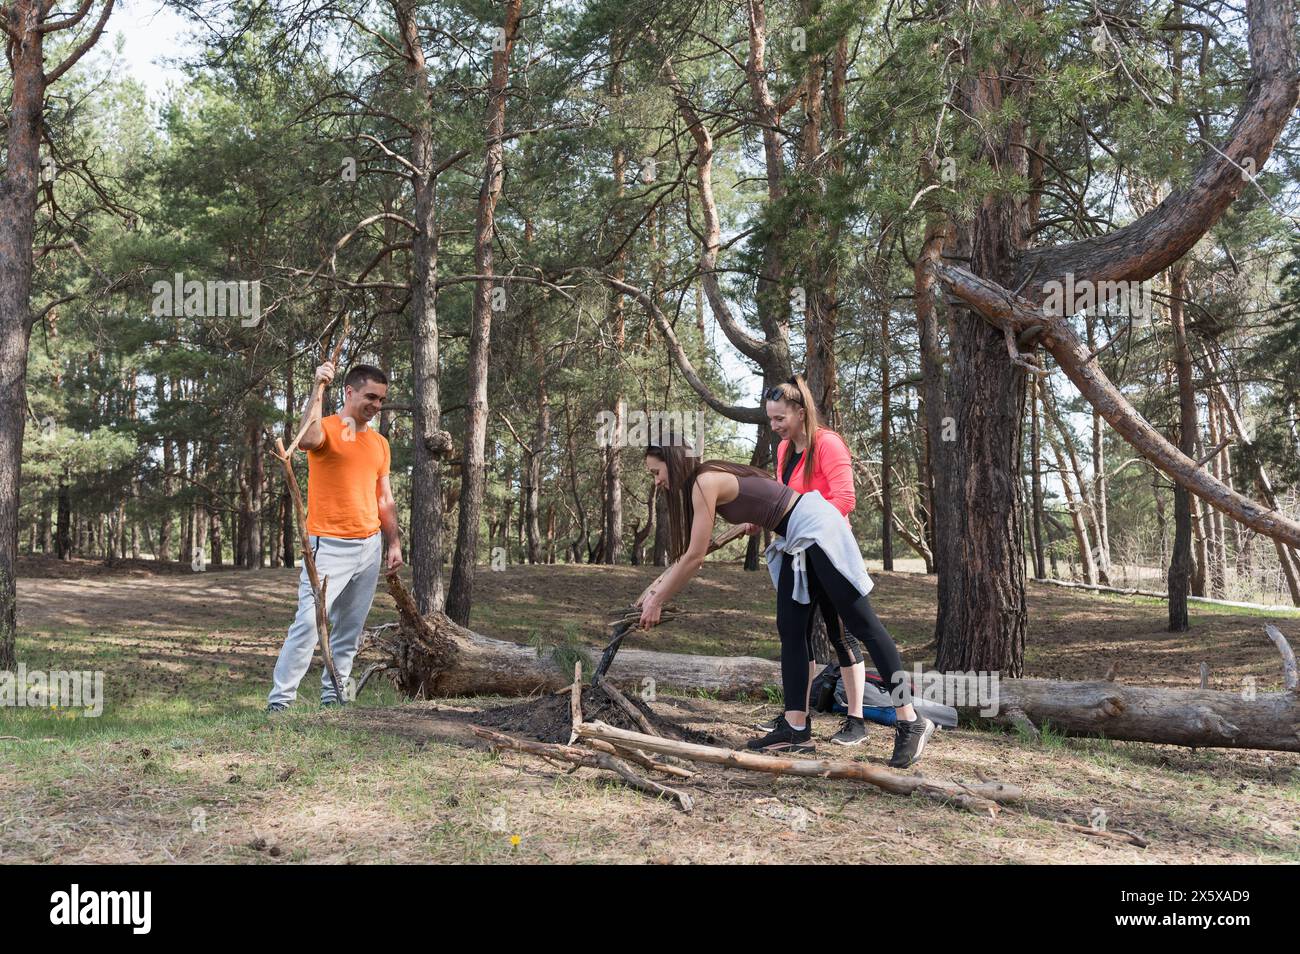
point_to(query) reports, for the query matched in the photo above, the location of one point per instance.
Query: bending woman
(813, 557)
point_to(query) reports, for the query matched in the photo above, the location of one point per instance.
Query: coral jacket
(832, 471)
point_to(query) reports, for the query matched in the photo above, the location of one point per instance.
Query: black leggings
(838, 599)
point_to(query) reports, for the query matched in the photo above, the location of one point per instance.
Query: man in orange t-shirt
(350, 510)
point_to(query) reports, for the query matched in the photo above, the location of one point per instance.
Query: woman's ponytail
(811, 424)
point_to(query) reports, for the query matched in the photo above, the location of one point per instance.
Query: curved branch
(746, 343)
(1008, 312)
(1155, 241)
(82, 47)
(71, 20)
(746, 415)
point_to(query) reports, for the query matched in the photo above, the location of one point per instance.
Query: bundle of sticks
(623, 621)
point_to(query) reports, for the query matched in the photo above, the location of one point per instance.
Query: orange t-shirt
(342, 478)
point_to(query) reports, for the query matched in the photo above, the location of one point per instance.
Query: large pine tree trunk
(460, 597)
(429, 444)
(886, 456)
(1015, 303)
(285, 528)
(17, 230)
(986, 630)
(13, 406)
(612, 519)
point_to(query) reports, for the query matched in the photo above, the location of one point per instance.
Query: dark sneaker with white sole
(276, 706)
(783, 738)
(852, 732)
(909, 741)
(769, 725)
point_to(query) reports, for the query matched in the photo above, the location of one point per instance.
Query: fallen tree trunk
(1287, 611)
(1200, 718)
(432, 656)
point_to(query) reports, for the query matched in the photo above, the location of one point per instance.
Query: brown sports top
(761, 500)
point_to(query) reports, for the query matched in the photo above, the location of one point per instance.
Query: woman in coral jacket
(828, 469)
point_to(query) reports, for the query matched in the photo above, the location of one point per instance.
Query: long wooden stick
(586, 759)
(640, 758)
(982, 797)
(622, 701)
(575, 701)
(1114, 834)
(308, 558)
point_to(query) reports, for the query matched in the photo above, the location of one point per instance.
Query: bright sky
(153, 33)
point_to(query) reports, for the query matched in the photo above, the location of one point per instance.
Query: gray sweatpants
(352, 568)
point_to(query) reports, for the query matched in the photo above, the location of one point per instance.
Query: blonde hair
(795, 391)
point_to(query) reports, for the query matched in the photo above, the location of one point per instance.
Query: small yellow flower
(514, 841)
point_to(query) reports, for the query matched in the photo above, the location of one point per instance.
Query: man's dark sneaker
(783, 738)
(909, 741)
(276, 706)
(852, 732)
(769, 725)
(329, 703)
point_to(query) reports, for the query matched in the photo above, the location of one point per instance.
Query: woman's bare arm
(704, 498)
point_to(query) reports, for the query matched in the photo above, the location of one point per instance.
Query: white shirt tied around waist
(815, 520)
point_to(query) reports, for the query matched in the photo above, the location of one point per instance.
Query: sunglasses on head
(778, 394)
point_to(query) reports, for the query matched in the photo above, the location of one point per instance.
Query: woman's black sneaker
(769, 725)
(909, 741)
(784, 738)
(852, 732)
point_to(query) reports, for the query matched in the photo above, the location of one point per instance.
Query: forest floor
(183, 765)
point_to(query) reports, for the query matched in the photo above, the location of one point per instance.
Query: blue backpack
(877, 705)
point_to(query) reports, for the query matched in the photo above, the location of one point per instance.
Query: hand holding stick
(721, 540)
(630, 617)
